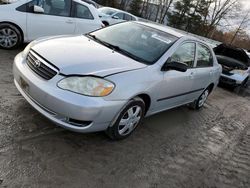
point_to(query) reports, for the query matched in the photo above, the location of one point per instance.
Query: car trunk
(231, 58)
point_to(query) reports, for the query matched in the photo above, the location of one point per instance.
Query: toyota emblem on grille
(37, 64)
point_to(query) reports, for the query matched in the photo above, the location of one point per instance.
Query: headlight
(90, 86)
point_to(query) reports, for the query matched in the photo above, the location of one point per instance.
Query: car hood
(80, 55)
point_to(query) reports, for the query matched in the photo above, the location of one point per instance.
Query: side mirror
(37, 9)
(173, 65)
(115, 17)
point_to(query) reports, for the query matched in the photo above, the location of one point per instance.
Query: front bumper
(60, 106)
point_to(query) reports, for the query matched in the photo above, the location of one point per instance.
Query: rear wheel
(199, 103)
(128, 120)
(10, 36)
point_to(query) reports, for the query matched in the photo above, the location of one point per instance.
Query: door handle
(211, 73)
(191, 75)
(69, 22)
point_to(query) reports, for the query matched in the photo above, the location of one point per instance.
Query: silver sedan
(112, 78)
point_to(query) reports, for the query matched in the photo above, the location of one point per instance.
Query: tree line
(208, 18)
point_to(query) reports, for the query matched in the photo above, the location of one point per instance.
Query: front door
(85, 21)
(177, 87)
(117, 18)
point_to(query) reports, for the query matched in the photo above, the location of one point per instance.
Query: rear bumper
(60, 106)
(234, 81)
(228, 81)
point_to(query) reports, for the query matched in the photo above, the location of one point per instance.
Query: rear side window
(185, 54)
(204, 56)
(133, 18)
(83, 12)
(127, 17)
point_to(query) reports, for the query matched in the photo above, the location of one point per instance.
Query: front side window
(52, 7)
(119, 15)
(185, 54)
(204, 56)
(83, 12)
(144, 44)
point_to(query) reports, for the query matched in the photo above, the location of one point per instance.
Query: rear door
(204, 68)
(56, 19)
(127, 17)
(85, 20)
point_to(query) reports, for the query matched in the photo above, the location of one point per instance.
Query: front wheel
(10, 36)
(128, 120)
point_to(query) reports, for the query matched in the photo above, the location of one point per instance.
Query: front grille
(40, 67)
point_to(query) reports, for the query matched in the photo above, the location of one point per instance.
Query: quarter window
(185, 54)
(204, 56)
(83, 12)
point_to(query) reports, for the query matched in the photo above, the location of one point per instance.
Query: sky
(246, 3)
(233, 23)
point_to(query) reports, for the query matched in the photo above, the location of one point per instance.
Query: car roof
(175, 32)
(163, 28)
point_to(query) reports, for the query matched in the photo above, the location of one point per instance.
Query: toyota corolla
(110, 79)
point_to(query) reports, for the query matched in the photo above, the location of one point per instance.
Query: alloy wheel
(8, 38)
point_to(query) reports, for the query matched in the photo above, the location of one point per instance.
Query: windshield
(107, 11)
(135, 40)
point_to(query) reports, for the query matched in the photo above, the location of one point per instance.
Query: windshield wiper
(118, 49)
(101, 41)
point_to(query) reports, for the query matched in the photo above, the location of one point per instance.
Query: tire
(10, 36)
(105, 23)
(245, 83)
(199, 103)
(242, 86)
(127, 120)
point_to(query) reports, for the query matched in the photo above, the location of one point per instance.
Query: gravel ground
(176, 148)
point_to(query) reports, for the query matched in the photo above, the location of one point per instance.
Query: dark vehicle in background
(235, 65)
(248, 53)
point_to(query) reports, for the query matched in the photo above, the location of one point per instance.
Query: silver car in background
(110, 79)
(110, 16)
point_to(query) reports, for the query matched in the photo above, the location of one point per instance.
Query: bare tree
(242, 25)
(219, 10)
(145, 7)
(164, 9)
